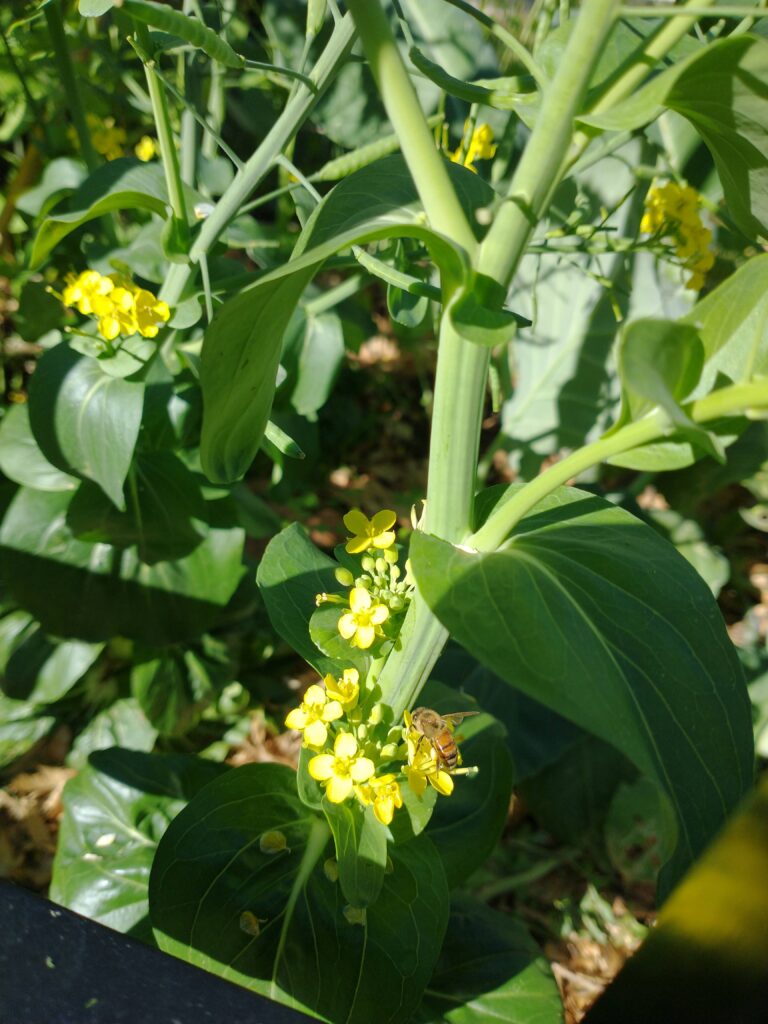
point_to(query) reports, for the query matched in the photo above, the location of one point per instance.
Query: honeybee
(437, 730)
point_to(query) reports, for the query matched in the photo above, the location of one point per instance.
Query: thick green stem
(69, 82)
(417, 143)
(263, 159)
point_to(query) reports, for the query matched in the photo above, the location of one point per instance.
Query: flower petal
(417, 782)
(442, 782)
(296, 719)
(384, 540)
(338, 789)
(356, 522)
(321, 767)
(362, 769)
(384, 809)
(315, 696)
(315, 734)
(332, 711)
(345, 747)
(379, 614)
(356, 545)
(365, 637)
(347, 625)
(350, 676)
(359, 600)
(383, 520)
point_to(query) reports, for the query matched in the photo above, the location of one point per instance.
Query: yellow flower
(106, 138)
(345, 690)
(311, 716)
(369, 533)
(362, 623)
(673, 209)
(150, 312)
(145, 148)
(384, 793)
(481, 147)
(423, 766)
(341, 770)
(120, 306)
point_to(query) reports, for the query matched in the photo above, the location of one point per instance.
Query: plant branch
(69, 82)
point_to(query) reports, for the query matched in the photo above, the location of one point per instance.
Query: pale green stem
(165, 139)
(425, 163)
(735, 400)
(262, 160)
(462, 367)
(188, 131)
(701, 11)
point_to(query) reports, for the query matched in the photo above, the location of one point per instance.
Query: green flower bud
(369, 564)
(390, 555)
(344, 576)
(396, 603)
(272, 842)
(376, 715)
(331, 869)
(389, 751)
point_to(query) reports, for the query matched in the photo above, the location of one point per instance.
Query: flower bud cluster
(672, 210)
(379, 595)
(119, 306)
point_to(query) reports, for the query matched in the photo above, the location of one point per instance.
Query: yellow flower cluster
(673, 210)
(481, 147)
(120, 306)
(352, 744)
(107, 138)
(145, 148)
(379, 596)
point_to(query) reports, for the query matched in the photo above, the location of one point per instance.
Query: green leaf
(476, 317)
(466, 826)
(123, 184)
(97, 591)
(115, 811)
(241, 349)
(171, 696)
(319, 362)
(723, 92)
(324, 631)
(61, 176)
(361, 850)
(85, 422)
(220, 902)
(587, 610)
(95, 8)
(191, 30)
(730, 322)
(21, 725)
(660, 364)
(489, 970)
(689, 539)
(21, 459)
(36, 668)
(121, 724)
(163, 500)
(291, 573)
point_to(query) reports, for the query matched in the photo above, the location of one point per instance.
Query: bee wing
(458, 716)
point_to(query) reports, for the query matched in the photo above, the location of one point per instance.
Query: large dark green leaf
(242, 346)
(85, 421)
(35, 668)
(489, 970)
(21, 725)
(218, 900)
(21, 459)
(723, 92)
(171, 696)
(291, 573)
(96, 591)
(115, 811)
(124, 184)
(121, 723)
(589, 611)
(466, 826)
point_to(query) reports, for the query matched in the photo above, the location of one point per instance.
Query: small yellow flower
(311, 716)
(145, 148)
(481, 147)
(106, 137)
(341, 770)
(673, 210)
(345, 690)
(423, 766)
(369, 533)
(362, 623)
(150, 312)
(384, 793)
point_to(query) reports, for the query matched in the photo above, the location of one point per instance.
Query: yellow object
(341, 770)
(146, 148)
(312, 716)
(384, 793)
(369, 533)
(481, 147)
(120, 307)
(673, 210)
(345, 690)
(362, 623)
